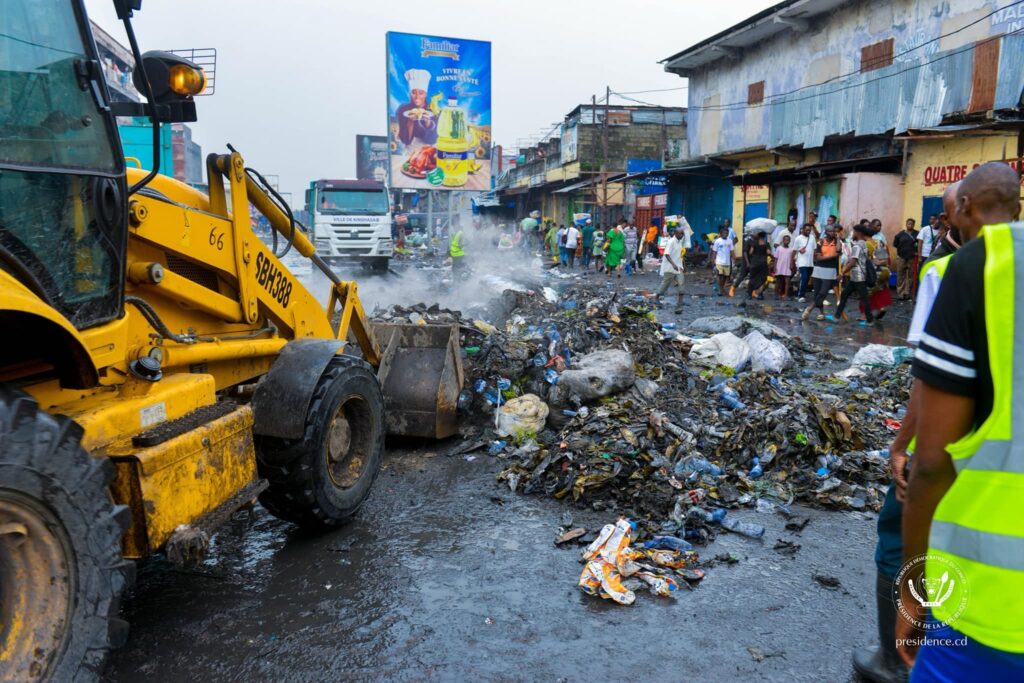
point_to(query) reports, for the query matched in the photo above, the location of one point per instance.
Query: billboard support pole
(451, 197)
(430, 213)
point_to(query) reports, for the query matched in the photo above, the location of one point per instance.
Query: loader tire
(326, 475)
(62, 573)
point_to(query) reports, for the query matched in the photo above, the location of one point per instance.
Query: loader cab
(63, 197)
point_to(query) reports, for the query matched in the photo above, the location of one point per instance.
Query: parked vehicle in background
(351, 221)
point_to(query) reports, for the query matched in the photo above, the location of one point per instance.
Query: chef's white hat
(418, 79)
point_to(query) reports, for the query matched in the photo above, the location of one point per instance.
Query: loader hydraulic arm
(343, 295)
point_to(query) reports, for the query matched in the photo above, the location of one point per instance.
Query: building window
(876, 55)
(755, 93)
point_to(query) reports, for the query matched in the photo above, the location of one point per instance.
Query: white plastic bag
(880, 354)
(722, 349)
(765, 354)
(526, 413)
(598, 374)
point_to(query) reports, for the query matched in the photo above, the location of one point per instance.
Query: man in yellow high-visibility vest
(963, 519)
(882, 664)
(457, 250)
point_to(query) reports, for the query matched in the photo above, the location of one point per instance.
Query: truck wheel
(61, 569)
(380, 265)
(328, 473)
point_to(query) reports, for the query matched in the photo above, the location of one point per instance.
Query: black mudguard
(282, 398)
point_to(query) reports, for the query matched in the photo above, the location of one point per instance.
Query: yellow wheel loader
(160, 367)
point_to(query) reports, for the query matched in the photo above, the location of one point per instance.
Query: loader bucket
(421, 376)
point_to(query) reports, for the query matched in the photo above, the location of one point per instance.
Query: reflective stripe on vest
(455, 249)
(939, 265)
(979, 523)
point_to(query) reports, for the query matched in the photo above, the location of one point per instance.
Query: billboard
(439, 112)
(569, 139)
(372, 156)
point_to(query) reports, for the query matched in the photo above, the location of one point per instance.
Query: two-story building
(855, 108)
(600, 162)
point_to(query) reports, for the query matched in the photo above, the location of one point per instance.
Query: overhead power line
(770, 99)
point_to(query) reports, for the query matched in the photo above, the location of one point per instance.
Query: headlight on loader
(186, 80)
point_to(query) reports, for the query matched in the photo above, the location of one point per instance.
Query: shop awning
(617, 178)
(880, 164)
(575, 186)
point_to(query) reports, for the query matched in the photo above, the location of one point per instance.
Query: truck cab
(351, 221)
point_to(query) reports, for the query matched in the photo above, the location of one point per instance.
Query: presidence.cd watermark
(946, 587)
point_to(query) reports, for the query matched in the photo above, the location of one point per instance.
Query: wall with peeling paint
(928, 79)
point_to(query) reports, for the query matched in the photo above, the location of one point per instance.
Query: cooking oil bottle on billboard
(453, 143)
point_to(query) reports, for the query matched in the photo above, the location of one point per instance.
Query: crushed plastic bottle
(496, 447)
(883, 453)
(668, 543)
(756, 471)
(493, 396)
(696, 496)
(504, 384)
(480, 386)
(551, 376)
(744, 528)
(605, 334)
(710, 517)
(731, 399)
(695, 464)
(829, 461)
(699, 535)
(465, 399)
(765, 505)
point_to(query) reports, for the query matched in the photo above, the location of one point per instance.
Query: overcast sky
(297, 80)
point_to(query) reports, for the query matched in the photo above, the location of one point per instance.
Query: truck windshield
(340, 202)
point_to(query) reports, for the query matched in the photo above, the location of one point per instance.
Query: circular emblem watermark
(916, 594)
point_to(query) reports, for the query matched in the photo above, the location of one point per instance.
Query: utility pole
(604, 155)
(593, 151)
(664, 138)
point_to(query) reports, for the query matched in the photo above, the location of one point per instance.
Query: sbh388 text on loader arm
(159, 366)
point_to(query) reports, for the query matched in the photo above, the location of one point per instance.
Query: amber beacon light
(186, 80)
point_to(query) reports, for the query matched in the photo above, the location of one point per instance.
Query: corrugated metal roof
(906, 95)
(1010, 84)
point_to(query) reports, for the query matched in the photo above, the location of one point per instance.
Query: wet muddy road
(447, 575)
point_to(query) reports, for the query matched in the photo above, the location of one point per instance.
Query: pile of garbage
(613, 570)
(592, 400)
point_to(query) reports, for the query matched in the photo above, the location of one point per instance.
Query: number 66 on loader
(159, 366)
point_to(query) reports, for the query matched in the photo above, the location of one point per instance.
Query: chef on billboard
(415, 119)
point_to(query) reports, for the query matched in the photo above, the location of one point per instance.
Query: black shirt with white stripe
(953, 353)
